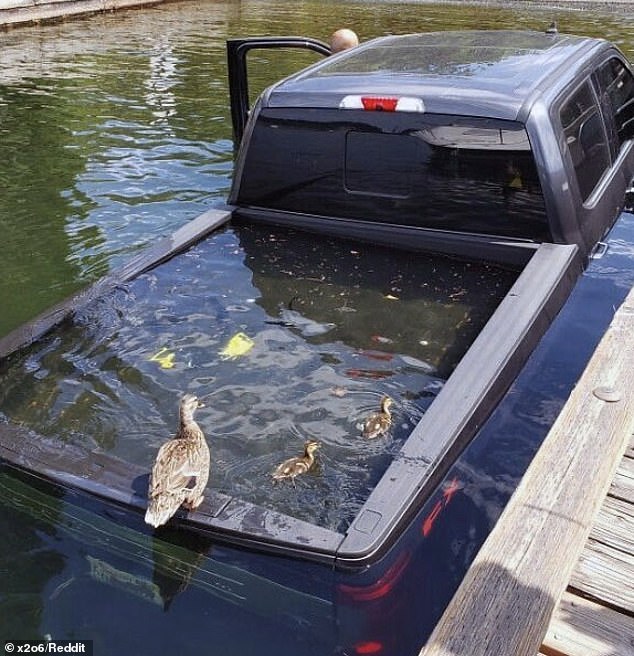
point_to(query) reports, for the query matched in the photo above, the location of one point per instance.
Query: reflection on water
(77, 571)
(329, 327)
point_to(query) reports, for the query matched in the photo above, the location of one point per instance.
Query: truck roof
(491, 73)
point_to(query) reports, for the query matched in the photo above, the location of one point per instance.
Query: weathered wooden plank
(509, 593)
(623, 484)
(580, 627)
(605, 574)
(614, 525)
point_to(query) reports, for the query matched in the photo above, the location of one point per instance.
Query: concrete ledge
(25, 12)
(21, 12)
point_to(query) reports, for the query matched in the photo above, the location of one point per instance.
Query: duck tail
(162, 508)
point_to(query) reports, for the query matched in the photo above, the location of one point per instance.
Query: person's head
(343, 39)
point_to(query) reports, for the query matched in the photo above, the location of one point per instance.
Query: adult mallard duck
(181, 470)
(293, 467)
(379, 422)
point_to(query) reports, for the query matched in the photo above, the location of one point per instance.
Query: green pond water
(114, 131)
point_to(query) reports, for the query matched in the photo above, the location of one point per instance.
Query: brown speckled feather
(181, 470)
(298, 465)
(379, 423)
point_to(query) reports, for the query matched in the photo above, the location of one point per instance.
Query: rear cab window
(585, 138)
(458, 173)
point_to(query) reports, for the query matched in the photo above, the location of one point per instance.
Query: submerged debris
(238, 345)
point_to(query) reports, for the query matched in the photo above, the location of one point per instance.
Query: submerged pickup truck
(505, 147)
(471, 140)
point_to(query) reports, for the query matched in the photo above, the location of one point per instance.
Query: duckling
(299, 464)
(181, 470)
(379, 423)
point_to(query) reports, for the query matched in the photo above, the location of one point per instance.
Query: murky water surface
(115, 130)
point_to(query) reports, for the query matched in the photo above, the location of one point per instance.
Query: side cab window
(615, 85)
(586, 137)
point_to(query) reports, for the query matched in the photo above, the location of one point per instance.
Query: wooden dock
(556, 575)
(595, 616)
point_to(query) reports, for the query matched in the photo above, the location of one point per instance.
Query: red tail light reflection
(428, 523)
(368, 647)
(439, 506)
(384, 585)
(379, 588)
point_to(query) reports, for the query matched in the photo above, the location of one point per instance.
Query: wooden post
(504, 604)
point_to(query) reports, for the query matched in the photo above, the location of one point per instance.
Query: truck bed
(441, 397)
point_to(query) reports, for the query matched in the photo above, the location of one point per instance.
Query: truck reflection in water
(108, 557)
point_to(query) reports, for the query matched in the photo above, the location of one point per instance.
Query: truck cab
(454, 140)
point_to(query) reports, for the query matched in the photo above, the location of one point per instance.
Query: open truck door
(237, 50)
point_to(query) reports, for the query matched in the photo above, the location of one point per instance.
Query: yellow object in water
(516, 183)
(238, 345)
(165, 358)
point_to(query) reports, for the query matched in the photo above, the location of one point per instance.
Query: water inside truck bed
(325, 328)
